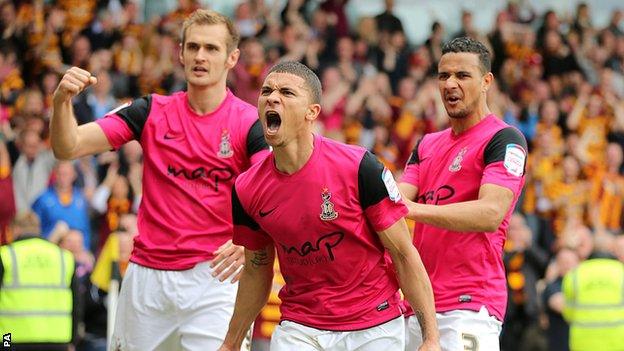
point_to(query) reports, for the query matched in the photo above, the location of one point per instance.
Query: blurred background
(559, 78)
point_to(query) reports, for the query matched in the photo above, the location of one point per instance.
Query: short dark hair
(467, 44)
(300, 70)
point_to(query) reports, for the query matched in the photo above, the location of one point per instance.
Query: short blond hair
(209, 17)
(26, 222)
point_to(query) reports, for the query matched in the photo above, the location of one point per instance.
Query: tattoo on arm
(260, 258)
(421, 320)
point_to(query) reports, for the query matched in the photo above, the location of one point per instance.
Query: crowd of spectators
(560, 81)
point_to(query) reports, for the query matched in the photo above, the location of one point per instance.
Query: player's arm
(232, 255)
(381, 201)
(482, 215)
(253, 292)
(70, 141)
(408, 191)
(257, 276)
(413, 280)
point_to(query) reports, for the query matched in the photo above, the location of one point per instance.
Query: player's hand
(430, 345)
(73, 83)
(228, 262)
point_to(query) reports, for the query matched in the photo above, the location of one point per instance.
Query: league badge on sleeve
(391, 186)
(515, 156)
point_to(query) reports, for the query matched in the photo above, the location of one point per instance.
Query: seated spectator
(249, 73)
(72, 241)
(112, 199)
(553, 301)
(115, 255)
(31, 170)
(64, 202)
(525, 263)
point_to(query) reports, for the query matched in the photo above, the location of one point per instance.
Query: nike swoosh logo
(264, 214)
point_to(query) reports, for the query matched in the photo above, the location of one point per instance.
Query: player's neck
(460, 125)
(292, 157)
(204, 100)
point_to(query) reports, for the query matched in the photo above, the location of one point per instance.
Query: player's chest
(449, 171)
(206, 144)
(312, 208)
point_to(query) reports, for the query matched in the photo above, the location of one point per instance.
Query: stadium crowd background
(559, 79)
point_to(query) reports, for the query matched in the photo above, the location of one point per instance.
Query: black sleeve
(255, 139)
(414, 158)
(370, 181)
(136, 114)
(239, 215)
(496, 148)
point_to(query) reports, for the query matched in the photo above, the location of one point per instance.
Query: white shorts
(289, 336)
(459, 330)
(172, 310)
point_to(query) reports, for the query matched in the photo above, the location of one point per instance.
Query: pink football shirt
(323, 221)
(466, 269)
(189, 167)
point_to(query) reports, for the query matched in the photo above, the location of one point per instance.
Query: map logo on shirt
(225, 148)
(327, 207)
(514, 159)
(456, 165)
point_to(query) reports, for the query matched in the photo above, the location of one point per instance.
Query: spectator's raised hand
(112, 173)
(73, 83)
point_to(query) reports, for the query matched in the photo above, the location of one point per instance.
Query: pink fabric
(185, 212)
(462, 266)
(336, 271)
(332, 120)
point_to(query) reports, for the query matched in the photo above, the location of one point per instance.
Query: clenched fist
(73, 83)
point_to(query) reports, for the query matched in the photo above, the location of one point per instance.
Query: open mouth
(453, 99)
(200, 70)
(273, 121)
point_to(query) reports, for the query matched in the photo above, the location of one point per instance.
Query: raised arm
(70, 141)
(253, 293)
(574, 118)
(413, 280)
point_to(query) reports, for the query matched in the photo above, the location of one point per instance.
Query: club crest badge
(327, 207)
(225, 147)
(456, 165)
